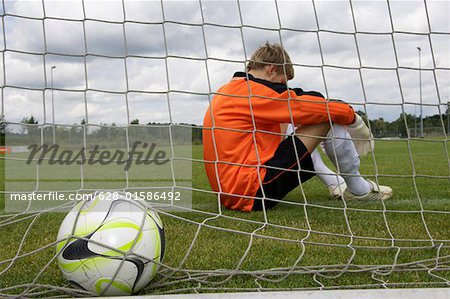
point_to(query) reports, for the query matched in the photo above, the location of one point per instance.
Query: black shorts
(279, 181)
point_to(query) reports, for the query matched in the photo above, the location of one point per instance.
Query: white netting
(110, 73)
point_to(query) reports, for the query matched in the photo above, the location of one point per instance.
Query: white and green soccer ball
(109, 244)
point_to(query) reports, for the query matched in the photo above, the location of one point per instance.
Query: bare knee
(312, 135)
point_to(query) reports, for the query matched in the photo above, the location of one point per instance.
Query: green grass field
(404, 241)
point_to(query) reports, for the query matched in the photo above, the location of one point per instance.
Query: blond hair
(272, 54)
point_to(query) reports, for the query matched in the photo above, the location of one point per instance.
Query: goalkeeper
(248, 161)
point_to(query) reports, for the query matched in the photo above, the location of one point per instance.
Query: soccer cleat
(336, 192)
(377, 192)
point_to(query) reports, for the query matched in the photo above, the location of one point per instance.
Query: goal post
(111, 95)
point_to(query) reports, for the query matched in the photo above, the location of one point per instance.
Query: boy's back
(233, 128)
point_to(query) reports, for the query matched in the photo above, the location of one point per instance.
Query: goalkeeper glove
(361, 136)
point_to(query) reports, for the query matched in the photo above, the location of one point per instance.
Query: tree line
(409, 125)
(106, 135)
(405, 125)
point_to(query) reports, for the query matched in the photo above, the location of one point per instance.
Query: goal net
(86, 83)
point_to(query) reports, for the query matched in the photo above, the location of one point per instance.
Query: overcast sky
(169, 50)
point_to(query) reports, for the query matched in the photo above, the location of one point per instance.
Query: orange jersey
(241, 131)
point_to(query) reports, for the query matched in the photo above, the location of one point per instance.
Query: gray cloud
(148, 74)
(221, 12)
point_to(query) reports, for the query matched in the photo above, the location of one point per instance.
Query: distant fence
(427, 132)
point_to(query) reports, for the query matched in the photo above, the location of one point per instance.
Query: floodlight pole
(53, 105)
(420, 91)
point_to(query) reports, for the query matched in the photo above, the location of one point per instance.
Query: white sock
(345, 154)
(326, 175)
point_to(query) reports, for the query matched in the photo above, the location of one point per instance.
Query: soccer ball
(108, 245)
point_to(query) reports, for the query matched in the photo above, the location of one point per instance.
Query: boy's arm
(315, 109)
(302, 108)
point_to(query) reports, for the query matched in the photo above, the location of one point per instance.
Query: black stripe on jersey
(278, 87)
(301, 92)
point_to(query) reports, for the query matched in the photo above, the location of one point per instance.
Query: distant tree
(29, 126)
(113, 131)
(103, 132)
(135, 121)
(30, 120)
(75, 134)
(196, 134)
(379, 127)
(405, 122)
(433, 121)
(2, 126)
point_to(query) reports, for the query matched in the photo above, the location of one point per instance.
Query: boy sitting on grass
(248, 161)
